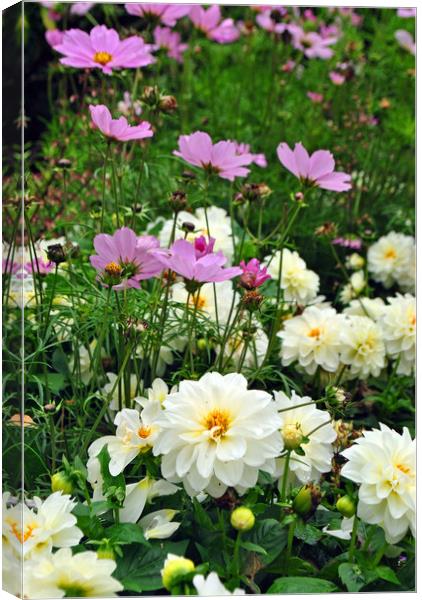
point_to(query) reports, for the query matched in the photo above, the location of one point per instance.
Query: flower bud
(252, 300)
(60, 482)
(306, 500)
(64, 163)
(175, 569)
(242, 518)
(106, 551)
(188, 227)
(299, 196)
(178, 200)
(346, 506)
(167, 104)
(292, 436)
(55, 253)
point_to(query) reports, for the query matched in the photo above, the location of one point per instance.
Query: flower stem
(353, 539)
(285, 476)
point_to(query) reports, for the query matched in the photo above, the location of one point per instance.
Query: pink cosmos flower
(197, 149)
(406, 13)
(164, 37)
(405, 40)
(317, 169)
(103, 49)
(354, 244)
(168, 14)
(182, 259)
(81, 8)
(308, 15)
(312, 44)
(336, 77)
(118, 129)
(258, 159)
(209, 22)
(123, 259)
(203, 247)
(54, 37)
(10, 267)
(271, 18)
(253, 274)
(327, 31)
(43, 267)
(289, 66)
(315, 97)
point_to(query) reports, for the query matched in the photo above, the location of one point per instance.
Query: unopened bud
(307, 500)
(175, 570)
(178, 200)
(64, 163)
(167, 104)
(242, 518)
(299, 196)
(252, 300)
(106, 552)
(292, 436)
(56, 254)
(346, 506)
(60, 482)
(188, 227)
(50, 407)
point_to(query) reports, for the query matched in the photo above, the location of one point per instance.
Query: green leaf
(126, 533)
(387, 574)
(114, 487)
(202, 517)
(302, 585)
(307, 533)
(270, 535)
(140, 571)
(352, 576)
(253, 548)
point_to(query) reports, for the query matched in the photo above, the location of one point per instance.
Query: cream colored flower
(352, 289)
(114, 404)
(159, 525)
(366, 307)
(398, 324)
(216, 433)
(62, 575)
(205, 300)
(308, 423)
(29, 532)
(392, 260)
(299, 283)
(313, 339)
(140, 493)
(355, 261)
(212, 586)
(219, 228)
(383, 463)
(362, 347)
(135, 433)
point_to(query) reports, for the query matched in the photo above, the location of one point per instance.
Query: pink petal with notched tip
(104, 39)
(302, 160)
(321, 163)
(101, 117)
(287, 158)
(125, 242)
(105, 247)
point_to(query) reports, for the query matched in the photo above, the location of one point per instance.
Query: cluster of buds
(157, 101)
(252, 192)
(346, 434)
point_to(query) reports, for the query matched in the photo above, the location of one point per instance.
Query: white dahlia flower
(355, 261)
(62, 575)
(366, 307)
(135, 433)
(204, 299)
(313, 339)
(298, 422)
(383, 462)
(28, 532)
(216, 433)
(299, 283)
(398, 324)
(219, 228)
(362, 347)
(392, 260)
(212, 586)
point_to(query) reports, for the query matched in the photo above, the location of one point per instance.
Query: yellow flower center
(102, 57)
(217, 422)
(113, 269)
(292, 435)
(403, 469)
(315, 332)
(412, 319)
(390, 253)
(144, 432)
(22, 536)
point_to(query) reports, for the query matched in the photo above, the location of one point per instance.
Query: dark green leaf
(302, 585)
